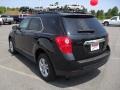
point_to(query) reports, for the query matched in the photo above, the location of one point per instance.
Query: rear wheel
(11, 47)
(45, 68)
(10, 23)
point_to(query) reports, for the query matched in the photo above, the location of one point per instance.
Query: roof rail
(57, 12)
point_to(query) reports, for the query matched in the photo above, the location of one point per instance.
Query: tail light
(64, 43)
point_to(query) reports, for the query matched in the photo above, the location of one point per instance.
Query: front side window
(3, 16)
(114, 18)
(24, 23)
(35, 24)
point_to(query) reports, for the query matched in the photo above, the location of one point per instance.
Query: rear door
(87, 34)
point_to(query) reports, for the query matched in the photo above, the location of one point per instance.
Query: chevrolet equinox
(61, 43)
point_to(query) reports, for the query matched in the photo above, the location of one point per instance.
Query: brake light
(64, 43)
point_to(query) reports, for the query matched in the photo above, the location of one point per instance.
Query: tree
(100, 14)
(2, 10)
(108, 14)
(114, 11)
(93, 12)
(65, 8)
(24, 9)
(84, 10)
(56, 3)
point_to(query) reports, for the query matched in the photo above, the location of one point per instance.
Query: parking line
(30, 76)
(21, 73)
(18, 72)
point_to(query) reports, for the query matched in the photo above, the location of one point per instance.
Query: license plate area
(93, 45)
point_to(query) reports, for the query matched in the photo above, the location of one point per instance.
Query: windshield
(73, 25)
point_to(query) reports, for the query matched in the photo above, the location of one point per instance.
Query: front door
(19, 43)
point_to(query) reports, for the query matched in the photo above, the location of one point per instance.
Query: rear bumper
(85, 67)
(73, 68)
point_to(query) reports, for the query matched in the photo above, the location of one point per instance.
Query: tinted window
(73, 25)
(24, 23)
(52, 24)
(35, 24)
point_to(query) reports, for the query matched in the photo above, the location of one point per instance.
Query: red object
(64, 43)
(93, 2)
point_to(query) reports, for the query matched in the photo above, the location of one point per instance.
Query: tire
(106, 23)
(45, 68)
(10, 23)
(11, 47)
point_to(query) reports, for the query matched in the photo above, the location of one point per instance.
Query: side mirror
(15, 27)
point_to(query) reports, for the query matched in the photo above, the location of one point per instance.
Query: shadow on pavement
(60, 81)
(31, 65)
(63, 83)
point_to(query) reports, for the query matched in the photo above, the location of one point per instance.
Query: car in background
(16, 19)
(7, 19)
(22, 16)
(1, 21)
(113, 21)
(75, 7)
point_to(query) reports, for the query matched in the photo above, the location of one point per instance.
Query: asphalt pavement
(18, 73)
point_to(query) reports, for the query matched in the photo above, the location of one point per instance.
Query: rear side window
(52, 24)
(35, 24)
(73, 25)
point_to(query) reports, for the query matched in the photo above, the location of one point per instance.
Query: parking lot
(17, 73)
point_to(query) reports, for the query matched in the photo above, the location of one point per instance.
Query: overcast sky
(103, 4)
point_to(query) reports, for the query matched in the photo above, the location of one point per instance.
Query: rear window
(73, 25)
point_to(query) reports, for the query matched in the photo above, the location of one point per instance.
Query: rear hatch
(89, 38)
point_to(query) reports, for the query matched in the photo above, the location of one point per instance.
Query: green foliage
(100, 14)
(24, 9)
(108, 14)
(2, 10)
(114, 11)
(93, 12)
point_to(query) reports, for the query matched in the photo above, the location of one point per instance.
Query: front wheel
(106, 23)
(45, 68)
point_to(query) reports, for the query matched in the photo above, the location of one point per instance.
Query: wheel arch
(42, 51)
(106, 22)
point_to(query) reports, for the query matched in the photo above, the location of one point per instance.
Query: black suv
(61, 43)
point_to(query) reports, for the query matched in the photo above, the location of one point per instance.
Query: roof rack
(58, 12)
